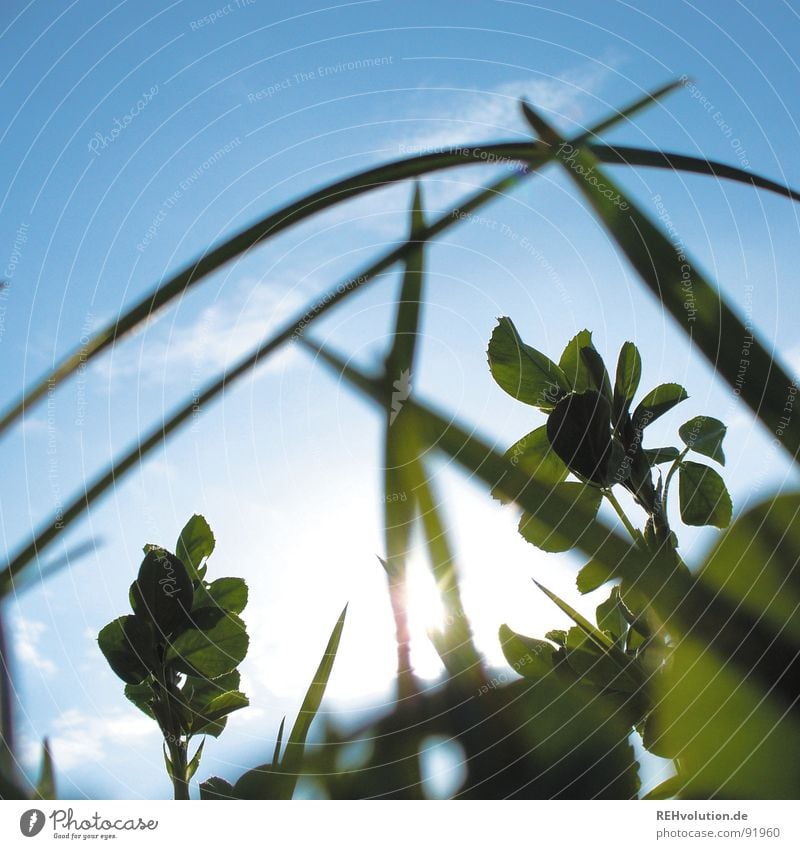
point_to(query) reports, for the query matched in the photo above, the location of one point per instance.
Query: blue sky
(231, 117)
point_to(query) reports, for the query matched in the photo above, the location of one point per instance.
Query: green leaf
(217, 709)
(527, 656)
(129, 648)
(593, 575)
(629, 673)
(199, 692)
(215, 645)
(293, 756)
(522, 371)
(704, 435)
(597, 369)
(658, 402)
(46, 786)
(142, 696)
(676, 281)
(568, 531)
(225, 593)
(264, 782)
(579, 429)
(629, 373)
(661, 455)
(610, 617)
(575, 369)
(534, 457)
(557, 636)
(195, 543)
(216, 788)
(756, 565)
(704, 498)
(162, 591)
(194, 763)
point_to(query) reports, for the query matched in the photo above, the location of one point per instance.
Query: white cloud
(27, 634)
(78, 738)
(475, 116)
(222, 333)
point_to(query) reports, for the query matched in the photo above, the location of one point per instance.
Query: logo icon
(402, 392)
(31, 822)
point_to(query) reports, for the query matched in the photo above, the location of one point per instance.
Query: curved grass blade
(708, 320)
(293, 756)
(531, 154)
(276, 755)
(637, 156)
(292, 329)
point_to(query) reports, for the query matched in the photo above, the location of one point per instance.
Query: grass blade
(533, 155)
(710, 322)
(399, 446)
(51, 529)
(683, 604)
(293, 756)
(459, 655)
(46, 786)
(276, 755)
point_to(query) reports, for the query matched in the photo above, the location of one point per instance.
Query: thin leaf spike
(293, 756)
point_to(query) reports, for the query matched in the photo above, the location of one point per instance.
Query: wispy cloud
(222, 333)
(27, 635)
(472, 116)
(77, 738)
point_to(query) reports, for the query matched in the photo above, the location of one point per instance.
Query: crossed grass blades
(703, 662)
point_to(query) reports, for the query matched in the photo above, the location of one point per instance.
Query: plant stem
(635, 535)
(178, 756)
(673, 468)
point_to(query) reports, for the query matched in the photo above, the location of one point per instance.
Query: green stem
(178, 757)
(673, 468)
(629, 527)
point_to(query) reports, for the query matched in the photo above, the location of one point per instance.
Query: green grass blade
(293, 756)
(51, 529)
(8, 761)
(276, 755)
(459, 655)
(598, 540)
(637, 156)
(710, 322)
(269, 227)
(46, 786)
(399, 445)
(532, 154)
